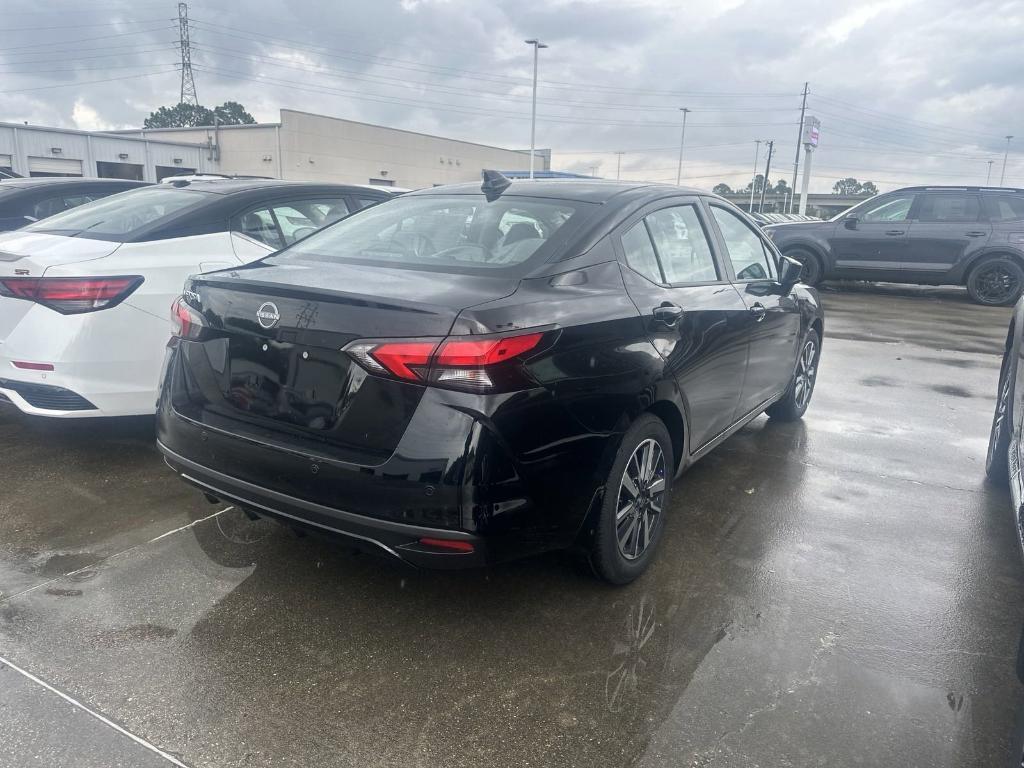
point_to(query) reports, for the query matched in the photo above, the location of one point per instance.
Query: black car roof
(69, 181)
(581, 190)
(937, 188)
(236, 186)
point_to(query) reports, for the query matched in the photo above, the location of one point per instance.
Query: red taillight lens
(462, 363)
(26, 366)
(71, 295)
(185, 321)
(452, 545)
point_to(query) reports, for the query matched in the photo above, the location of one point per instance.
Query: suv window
(1004, 207)
(682, 245)
(751, 259)
(949, 207)
(895, 208)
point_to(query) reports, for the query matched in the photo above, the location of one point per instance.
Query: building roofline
(121, 131)
(98, 134)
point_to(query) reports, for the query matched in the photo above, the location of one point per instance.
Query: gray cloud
(908, 91)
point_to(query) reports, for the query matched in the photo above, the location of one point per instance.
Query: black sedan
(972, 236)
(467, 374)
(23, 201)
(1003, 461)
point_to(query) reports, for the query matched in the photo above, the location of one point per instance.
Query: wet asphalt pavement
(845, 591)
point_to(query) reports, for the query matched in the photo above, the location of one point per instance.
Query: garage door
(5, 161)
(54, 166)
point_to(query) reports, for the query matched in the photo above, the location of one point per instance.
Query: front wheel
(635, 499)
(794, 403)
(996, 281)
(813, 272)
(999, 435)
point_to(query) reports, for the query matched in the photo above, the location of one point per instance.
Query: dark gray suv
(971, 236)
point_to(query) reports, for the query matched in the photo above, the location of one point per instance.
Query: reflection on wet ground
(842, 591)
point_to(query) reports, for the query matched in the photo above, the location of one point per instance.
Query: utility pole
(767, 168)
(799, 138)
(188, 83)
(618, 164)
(537, 45)
(682, 140)
(1002, 175)
(757, 152)
(988, 176)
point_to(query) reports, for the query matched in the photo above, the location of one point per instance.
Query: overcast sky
(908, 91)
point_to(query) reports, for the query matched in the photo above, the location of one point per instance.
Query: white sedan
(85, 296)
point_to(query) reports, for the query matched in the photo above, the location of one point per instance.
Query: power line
(48, 45)
(80, 26)
(890, 116)
(88, 82)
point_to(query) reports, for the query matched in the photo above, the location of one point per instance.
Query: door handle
(975, 234)
(668, 313)
(895, 232)
(757, 309)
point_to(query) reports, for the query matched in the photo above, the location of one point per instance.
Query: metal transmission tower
(188, 83)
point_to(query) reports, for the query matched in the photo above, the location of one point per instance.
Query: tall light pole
(988, 176)
(618, 164)
(757, 152)
(537, 45)
(1002, 175)
(682, 141)
(767, 170)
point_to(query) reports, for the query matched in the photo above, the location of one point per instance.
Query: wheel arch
(996, 253)
(672, 418)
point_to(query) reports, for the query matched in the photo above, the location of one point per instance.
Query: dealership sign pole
(812, 129)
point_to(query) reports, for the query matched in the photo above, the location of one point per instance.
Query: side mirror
(850, 222)
(790, 271)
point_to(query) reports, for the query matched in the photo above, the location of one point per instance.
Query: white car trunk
(31, 253)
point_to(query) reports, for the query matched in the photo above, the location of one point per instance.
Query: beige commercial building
(309, 147)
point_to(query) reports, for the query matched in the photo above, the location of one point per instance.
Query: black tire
(793, 404)
(612, 559)
(996, 281)
(998, 454)
(813, 272)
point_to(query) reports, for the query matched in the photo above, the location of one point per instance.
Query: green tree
(781, 187)
(757, 183)
(848, 186)
(869, 188)
(722, 189)
(190, 116)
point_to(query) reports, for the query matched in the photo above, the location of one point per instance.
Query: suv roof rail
(933, 188)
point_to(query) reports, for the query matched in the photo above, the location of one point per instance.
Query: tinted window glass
(118, 216)
(48, 206)
(447, 232)
(259, 225)
(949, 207)
(682, 245)
(640, 254)
(895, 208)
(304, 217)
(1004, 207)
(365, 201)
(751, 260)
(73, 201)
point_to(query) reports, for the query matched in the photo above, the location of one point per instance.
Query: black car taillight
(186, 323)
(71, 295)
(455, 362)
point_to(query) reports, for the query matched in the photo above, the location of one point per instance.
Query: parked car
(466, 374)
(1003, 460)
(971, 236)
(84, 294)
(23, 201)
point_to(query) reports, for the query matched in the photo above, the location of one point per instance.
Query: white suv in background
(85, 295)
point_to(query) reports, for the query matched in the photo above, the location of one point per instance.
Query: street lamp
(537, 45)
(1002, 174)
(682, 140)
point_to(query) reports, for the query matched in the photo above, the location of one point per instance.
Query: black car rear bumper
(400, 540)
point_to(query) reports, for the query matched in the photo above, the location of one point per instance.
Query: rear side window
(640, 255)
(682, 245)
(259, 225)
(949, 207)
(1004, 207)
(751, 260)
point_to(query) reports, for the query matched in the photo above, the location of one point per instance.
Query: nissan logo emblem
(267, 314)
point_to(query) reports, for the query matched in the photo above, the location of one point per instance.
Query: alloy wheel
(996, 284)
(640, 500)
(806, 371)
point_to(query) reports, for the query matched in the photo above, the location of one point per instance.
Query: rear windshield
(448, 233)
(118, 217)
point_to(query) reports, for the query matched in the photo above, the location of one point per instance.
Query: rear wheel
(635, 499)
(794, 403)
(813, 271)
(996, 281)
(999, 435)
